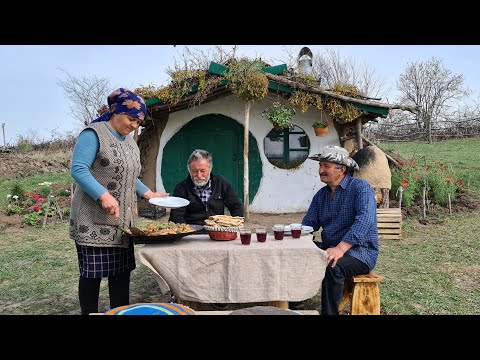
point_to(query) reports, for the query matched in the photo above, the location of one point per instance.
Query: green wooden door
(223, 138)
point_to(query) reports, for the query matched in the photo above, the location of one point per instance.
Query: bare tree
(199, 59)
(432, 88)
(329, 67)
(86, 95)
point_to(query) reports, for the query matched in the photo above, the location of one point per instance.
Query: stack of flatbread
(224, 222)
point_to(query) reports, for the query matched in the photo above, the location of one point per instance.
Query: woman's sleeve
(84, 154)
(140, 188)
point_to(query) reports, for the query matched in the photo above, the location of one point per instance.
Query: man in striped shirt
(345, 209)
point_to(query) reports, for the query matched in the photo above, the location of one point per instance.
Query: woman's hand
(150, 194)
(110, 204)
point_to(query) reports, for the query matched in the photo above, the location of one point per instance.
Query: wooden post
(46, 212)
(71, 194)
(359, 134)
(385, 204)
(400, 189)
(424, 194)
(3, 129)
(449, 204)
(245, 161)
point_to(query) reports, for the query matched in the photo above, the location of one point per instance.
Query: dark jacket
(196, 212)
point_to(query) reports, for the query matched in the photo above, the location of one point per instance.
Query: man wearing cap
(345, 209)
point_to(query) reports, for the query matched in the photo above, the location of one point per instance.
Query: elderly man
(345, 209)
(208, 193)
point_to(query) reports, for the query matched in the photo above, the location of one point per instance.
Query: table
(198, 269)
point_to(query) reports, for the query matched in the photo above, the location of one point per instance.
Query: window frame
(286, 144)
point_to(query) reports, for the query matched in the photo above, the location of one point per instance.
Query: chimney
(305, 60)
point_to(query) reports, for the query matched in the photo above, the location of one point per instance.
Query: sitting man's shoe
(220, 306)
(295, 305)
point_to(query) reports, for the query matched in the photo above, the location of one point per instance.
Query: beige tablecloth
(196, 268)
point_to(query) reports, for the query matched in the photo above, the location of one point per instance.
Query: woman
(106, 165)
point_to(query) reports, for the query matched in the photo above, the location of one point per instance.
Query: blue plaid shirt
(350, 216)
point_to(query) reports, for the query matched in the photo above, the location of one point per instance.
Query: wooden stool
(363, 294)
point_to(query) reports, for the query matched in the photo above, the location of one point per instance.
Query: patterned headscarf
(337, 155)
(124, 101)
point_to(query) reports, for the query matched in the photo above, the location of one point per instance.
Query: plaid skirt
(100, 262)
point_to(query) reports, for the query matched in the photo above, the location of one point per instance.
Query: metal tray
(161, 239)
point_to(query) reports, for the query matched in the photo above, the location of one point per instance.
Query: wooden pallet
(389, 223)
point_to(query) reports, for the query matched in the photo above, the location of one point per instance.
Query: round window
(286, 148)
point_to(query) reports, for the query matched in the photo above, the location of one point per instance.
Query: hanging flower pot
(321, 131)
(279, 115)
(321, 127)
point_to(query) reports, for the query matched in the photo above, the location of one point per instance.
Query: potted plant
(321, 127)
(279, 115)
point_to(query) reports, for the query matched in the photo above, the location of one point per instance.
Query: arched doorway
(223, 138)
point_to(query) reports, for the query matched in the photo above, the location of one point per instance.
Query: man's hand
(150, 194)
(337, 252)
(110, 204)
(333, 254)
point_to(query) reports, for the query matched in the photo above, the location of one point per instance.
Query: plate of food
(157, 233)
(171, 202)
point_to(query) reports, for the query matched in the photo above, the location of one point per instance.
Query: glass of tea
(245, 236)
(261, 233)
(296, 230)
(278, 231)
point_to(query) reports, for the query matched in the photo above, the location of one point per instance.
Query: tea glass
(278, 231)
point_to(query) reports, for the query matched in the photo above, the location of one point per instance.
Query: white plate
(172, 202)
(305, 229)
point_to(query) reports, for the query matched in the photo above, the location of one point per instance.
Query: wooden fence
(441, 130)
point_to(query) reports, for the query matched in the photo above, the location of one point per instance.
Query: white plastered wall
(280, 190)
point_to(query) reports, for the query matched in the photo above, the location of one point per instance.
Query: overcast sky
(35, 103)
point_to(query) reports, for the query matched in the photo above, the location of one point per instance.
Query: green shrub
(24, 146)
(17, 189)
(66, 211)
(32, 218)
(438, 178)
(13, 209)
(44, 191)
(64, 192)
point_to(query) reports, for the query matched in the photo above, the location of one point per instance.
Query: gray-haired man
(208, 193)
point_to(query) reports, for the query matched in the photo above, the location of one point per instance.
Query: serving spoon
(132, 230)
